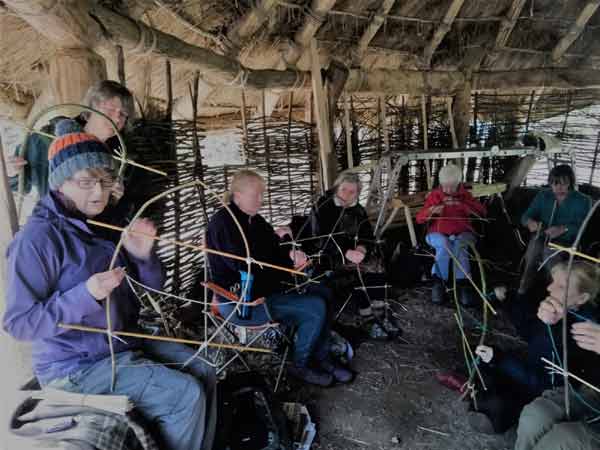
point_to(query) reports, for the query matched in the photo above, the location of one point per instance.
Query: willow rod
(573, 251)
(163, 338)
(199, 248)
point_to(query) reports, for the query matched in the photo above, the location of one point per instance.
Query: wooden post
(245, 128)
(384, 128)
(287, 149)
(348, 126)
(10, 216)
(16, 354)
(323, 123)
(426, 141)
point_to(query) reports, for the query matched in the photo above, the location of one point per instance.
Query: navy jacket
(224, 235)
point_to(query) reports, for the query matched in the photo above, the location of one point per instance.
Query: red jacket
(454, 219)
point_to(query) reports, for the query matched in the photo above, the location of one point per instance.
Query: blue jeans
(181, 404)
(458, 244)
(306, 312)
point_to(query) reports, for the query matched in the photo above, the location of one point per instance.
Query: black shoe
(339, 372)
(311, 376)
(391, 327)
(375, 330)
(438, 291)
(480, 422)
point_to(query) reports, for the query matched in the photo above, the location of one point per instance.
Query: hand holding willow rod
(139, 241)
(101, 284)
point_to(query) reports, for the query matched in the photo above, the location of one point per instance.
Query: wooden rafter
(84, 24)
(312, 22)
(508, 25)
(441, 31)
(443, 83)
(249, 24)
(373, 28)
(576, 29)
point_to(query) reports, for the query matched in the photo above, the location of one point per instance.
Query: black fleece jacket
(224, 235)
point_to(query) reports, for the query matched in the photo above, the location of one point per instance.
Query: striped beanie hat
(69, 153)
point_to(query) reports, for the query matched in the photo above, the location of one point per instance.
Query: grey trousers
(543, 425)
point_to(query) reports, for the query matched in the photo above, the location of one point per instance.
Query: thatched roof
(394, 46)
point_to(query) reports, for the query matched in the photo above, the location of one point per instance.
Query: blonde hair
(586, 274)
(450, 174)
(239, 181)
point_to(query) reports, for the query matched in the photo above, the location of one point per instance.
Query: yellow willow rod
(199, 248)
(574, 252)
(163, 338)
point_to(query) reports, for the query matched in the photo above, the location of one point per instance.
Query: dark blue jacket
(224, 235)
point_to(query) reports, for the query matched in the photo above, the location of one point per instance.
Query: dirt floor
(395, 402)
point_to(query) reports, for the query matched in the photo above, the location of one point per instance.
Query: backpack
(248, 417)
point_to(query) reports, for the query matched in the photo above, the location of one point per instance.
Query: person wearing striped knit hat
(58, 274)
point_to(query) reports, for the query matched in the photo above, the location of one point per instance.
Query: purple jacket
(49, 262)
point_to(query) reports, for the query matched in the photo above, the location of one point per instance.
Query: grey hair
(105, 90)
(450, 173)
(347, 177)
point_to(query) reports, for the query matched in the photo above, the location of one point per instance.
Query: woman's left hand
(299, 257)
(139, 241)
(587, 335)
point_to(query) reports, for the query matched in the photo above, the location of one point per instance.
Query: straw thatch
(397, 47)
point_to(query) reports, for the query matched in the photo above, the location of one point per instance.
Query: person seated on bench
(305, 311)
(57, 274)
(554, 215)
(446, 212)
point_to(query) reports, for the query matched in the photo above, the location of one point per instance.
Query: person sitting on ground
(512, 381)
(554, 215)
(306, 312)
(449, 229)
(110, 98)
(544, 425)
(346, 245)
(57, 274)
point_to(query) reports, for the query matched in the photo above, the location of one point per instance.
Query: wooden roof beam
(506, 28)
(249, 24)
(441, 31)
(83, 24)
(373, 28)
(429, 82)
(508, 24)
(576, 29)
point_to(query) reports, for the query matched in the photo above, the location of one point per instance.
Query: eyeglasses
(90, 183)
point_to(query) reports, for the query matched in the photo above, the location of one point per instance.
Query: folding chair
(242, 335)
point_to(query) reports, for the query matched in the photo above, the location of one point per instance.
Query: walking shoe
(390, 326)
(375, 331)
(311, 376)
(339, 372)
(438, 292)
(480, 422)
